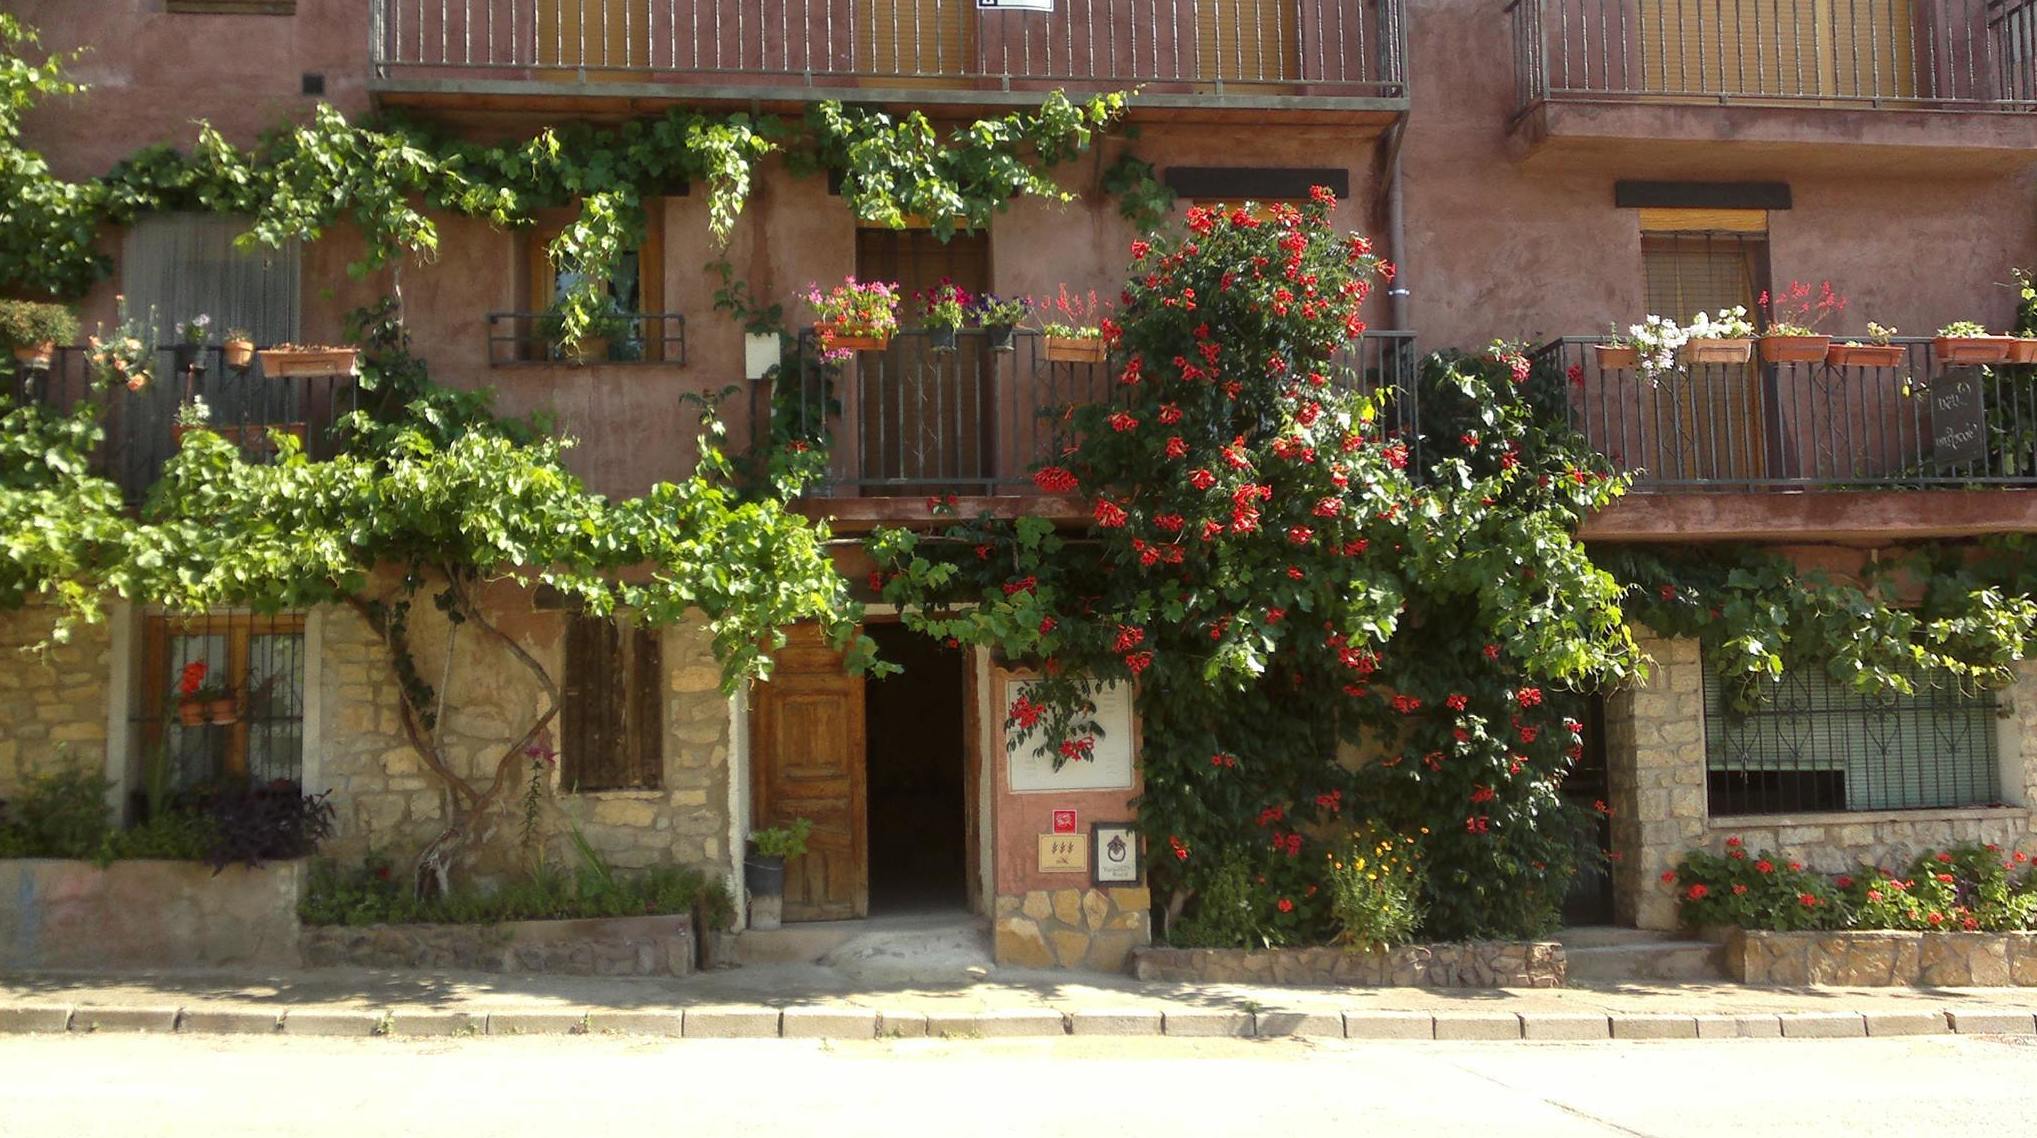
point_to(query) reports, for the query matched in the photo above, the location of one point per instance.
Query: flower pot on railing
(1866, 355)
(940, 339)
(190, 360)
(1794, 349)
(1075, 349)
(2023, 350)
(1716, 351)
(222, 712)
(238, 354)
(1000, 337)
(282, 363)
(1616, 357)
(852, 339)
(36, 357)
(1972, 349)
(191, 712)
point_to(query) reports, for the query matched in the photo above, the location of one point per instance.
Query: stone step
(1608, 936)
(944, 946)
(1672, 960)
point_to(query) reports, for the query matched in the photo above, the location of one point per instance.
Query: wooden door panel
(807, 761)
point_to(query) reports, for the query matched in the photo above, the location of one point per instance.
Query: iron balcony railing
(141, 426)
(516, 338)
(1328, 48)
(1962, 54)
(1804, 425)
(911, 420)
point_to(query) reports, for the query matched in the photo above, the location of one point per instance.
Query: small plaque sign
(1064, 821)
(1063, 853)
(1015, 5)
(1958, 418)
(1116, 853)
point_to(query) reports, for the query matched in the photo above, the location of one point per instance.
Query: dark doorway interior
(914, 730)
(1591, 891)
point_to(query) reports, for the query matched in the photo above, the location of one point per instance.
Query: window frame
(541, 277)
(633, 691)
(157, 708)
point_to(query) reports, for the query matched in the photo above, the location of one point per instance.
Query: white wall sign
(1016, 5)
(1109, 769)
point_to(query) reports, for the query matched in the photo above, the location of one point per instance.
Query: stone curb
(852, 1022)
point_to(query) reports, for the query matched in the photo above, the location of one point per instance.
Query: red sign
(1064, 821)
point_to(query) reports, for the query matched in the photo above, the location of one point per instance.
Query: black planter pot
(764, 876)
(190, 360)
(1001, 337)
(940, 339)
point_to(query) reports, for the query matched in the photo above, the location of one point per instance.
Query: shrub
(59, 814)
(372, 893)
(1965, 888)
(1373, 882)
(255, 824)
(1756, 891)
(25, 324)
(64, 814)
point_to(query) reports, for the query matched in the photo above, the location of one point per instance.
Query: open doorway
(914, 731)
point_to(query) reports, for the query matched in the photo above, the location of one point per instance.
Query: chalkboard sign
(1958, 418)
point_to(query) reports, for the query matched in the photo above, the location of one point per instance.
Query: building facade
(1537, 170)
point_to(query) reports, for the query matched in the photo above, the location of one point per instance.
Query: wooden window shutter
(647, 708)
(613, 714)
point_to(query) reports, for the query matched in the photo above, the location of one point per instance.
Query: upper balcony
(1694, 88)
(1329, 60)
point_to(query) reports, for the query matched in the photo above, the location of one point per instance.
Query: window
(259, 660)
(1820, 746)
(184, 264)
(637, 286)
(613, 720)
(1710, 420)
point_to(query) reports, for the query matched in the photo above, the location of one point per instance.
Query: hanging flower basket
(287, 362)
(1616, 357)
(1794, 349)
(1716, 351)
(1866, 355)
(1972, 349)
(36, 357)
(1075, 349)
(940, 339)
(191, 712)
(852, 339)
(221, 712)
(1000, 337)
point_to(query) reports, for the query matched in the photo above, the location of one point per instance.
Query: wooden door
(807, 761)
(1710, 417)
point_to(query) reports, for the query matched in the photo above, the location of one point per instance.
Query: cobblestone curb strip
(842, 1022)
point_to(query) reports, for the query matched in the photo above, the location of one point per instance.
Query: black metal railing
(516, 338)
(914, 420)
(1347, 48)
(1918, 422)
(1964, 54)
(141, 423)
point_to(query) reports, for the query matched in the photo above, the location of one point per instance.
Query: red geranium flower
(1697, 892)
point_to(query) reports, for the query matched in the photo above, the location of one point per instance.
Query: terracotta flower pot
(36, 357)
(1075, 349)
(191, 712)
(1866, 355)
(1972, 349)
(2023, 350)
(280, 363)
(1716, 351)
(238, 354)
(222, 711)
(852, 339)
(1794, 349)
(1616, 357)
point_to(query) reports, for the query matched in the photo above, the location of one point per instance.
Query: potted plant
(34, 330)
(764, 869)
(607, 325)
(238, 349)
(1965, 342)
(942, 310)
(192, 416)
(1725, 337)
(122, 355)
(1000, 319)
(1876, 352)
(190, 348)
(1617, 352)
(288, 360)
(1657, 343)
(1791, 335)
(1072, 325)
(855, 316)
(200, 702)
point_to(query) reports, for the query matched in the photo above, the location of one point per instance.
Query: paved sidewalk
(795, 1001)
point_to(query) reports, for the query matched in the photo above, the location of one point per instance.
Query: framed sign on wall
(1109, 766)
(1114, 853)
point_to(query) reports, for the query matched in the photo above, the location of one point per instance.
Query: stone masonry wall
(600, 946)
(1883, 959)
(1656, 755)
(1094, 929)
(389, 802)
(53, 703)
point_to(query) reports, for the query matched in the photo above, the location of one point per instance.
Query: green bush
(373, 893)
(59, 814)
(1966, 888)
(1373, 882)
(25, 324)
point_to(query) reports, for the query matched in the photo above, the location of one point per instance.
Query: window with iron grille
(180, 265)
(253, 732)
(612, 714)
(1820, 746)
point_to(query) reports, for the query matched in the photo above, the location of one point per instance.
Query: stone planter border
(1472, 964)
(592, 946)
(57, 913)
(1883, 959)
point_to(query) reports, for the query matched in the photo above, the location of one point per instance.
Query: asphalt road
(131, 1086)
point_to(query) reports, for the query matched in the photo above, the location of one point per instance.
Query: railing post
(378, 43)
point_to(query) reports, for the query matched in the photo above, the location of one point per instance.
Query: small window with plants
(222, 700)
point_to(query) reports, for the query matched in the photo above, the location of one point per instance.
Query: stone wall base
(147, 914)
(1883, 959)
(1093, 929)
(1473, 964)
(600, 946)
